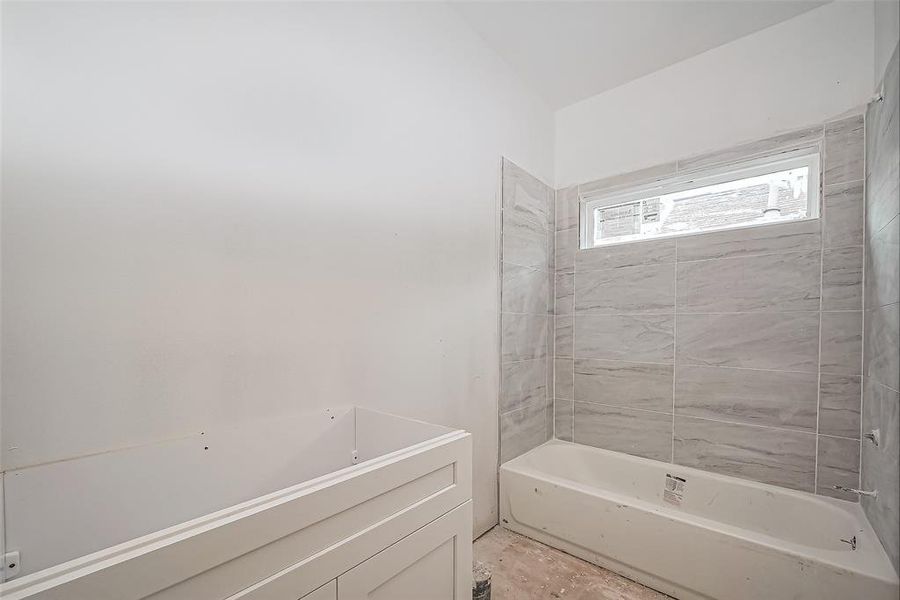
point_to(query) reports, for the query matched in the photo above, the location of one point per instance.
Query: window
(757, 192)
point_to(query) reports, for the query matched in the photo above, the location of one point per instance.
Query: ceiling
(573, 50)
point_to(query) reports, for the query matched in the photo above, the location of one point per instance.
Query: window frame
(734, 171)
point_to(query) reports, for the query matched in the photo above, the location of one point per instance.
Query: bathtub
(297, 507)
(693, 534)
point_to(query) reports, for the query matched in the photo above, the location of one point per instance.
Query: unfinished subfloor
(524, 569)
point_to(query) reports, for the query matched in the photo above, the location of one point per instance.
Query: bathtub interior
(717, 500)
(60, 511)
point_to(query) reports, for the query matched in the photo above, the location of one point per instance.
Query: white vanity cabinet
(424, 565)
(394, 520)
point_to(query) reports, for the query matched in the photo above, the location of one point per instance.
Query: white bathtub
(721, 538)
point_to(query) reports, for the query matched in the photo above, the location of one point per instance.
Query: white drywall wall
(887, 34)
(214, 213)
(798, 72)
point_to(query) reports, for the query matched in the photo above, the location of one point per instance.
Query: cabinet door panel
(432, 563)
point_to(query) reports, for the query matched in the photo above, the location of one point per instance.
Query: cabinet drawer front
(433, 563)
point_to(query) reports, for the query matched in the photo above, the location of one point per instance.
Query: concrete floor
(524, 569)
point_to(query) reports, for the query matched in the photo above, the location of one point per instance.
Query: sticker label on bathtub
(674, 490)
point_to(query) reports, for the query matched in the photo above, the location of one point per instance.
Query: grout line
(824, 217)
(862, 353)
(674, 348)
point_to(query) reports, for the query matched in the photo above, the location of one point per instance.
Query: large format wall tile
(638, 432)
(526, 307)
(883, 282)
(881, 464)
(563, 419)
(566, 243)
(646, 289)
(523, 382)
(771, 282)
(776, 341)
(525, 243)
(526, 196)
(882, 198)
(523, 336)
(609, 184)
(525, 290)
(523, 429)
(773, 398)
(844, 151)
(614, 256)
(564, 382)
(883, 345)
(617, 383)
(837, 464)
(881, 405)
(783, 237)
(563, 340)
(567, 208)
(843, 215)
(776, 456)
(839, 404)
(842, 277)
(793, 139)
(639, 338)
(565, 293)
(841, 343)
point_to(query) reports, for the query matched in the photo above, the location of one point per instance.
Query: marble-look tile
(563, 419)
(841, 350)
(839, 404)
(793, 139)
(775, 341)
(843, 215)
(564, 382)
(526, 195)
(881, 464)
(525, 290)
(637, 432)
(842, 278)
(776, 456)
(882, 269)
(614, 256)
(844, 151)
(523, 337)
(523, 382)
(632, 178)
(564, 340)
(525, 243)
(838, 464)
(567, 209)
(646, 386)
(750, 241)
(772, 398)
(566, 243)
(638, 338)
(881, 406)
(645, 289)
(523, 429)
(883, 345)
(882, 198)
(770, 282)
(565, 293)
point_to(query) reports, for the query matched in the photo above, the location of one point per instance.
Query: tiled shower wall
(526, 307)
(881, 378)
(738, 352)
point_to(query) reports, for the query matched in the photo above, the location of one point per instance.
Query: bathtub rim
(872, 561)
